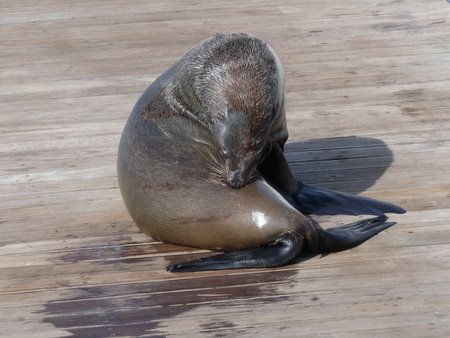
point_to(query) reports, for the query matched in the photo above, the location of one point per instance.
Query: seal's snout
(235, 179)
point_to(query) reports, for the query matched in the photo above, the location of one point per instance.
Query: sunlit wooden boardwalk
(368, 105)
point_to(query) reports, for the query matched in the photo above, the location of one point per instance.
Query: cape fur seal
(201, 164)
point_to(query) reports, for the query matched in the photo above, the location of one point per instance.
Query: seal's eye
(224, 151)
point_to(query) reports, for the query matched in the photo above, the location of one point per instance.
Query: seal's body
(171, 192)
(198, 130)
(200, 163)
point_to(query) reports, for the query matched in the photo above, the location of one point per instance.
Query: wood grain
(368, 105)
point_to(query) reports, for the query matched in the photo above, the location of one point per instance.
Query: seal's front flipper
(314, 200)
(350, 235)
(321, 201)
(280, 251)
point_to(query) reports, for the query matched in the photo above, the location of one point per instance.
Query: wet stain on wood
(141, 308)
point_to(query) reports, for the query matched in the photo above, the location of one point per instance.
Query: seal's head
(239, 147)
(232, 85)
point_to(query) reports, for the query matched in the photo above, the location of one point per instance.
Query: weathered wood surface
(368, 102)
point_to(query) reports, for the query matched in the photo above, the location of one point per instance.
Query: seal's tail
(321, 201)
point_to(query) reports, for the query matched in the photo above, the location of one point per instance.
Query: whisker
(264, 153)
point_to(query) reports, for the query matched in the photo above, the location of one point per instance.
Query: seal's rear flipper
(281, 251)
(321, 201)
(350, 235)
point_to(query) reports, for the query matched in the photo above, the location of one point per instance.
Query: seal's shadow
(351, 164)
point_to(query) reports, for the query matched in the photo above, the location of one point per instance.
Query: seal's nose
(235, 179)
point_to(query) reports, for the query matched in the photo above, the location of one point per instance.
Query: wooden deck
(368, 104)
